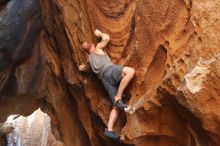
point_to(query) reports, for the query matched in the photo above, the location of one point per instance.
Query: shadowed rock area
(173, 45)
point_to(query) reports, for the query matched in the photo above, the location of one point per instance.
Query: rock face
(4, 131)
(31, 131)
(173, 45)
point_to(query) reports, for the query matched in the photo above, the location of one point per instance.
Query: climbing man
(115, 78)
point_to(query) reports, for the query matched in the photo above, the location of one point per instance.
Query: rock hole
(34, 129)
(181, 61)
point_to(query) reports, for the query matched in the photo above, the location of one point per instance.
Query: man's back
(99, 63)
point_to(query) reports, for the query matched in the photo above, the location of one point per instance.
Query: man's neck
(99, 51)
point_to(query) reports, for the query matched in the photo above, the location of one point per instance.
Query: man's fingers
(98, 33)
(97, 30)
(81, 65)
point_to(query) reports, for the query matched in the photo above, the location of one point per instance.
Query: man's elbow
(106, 37)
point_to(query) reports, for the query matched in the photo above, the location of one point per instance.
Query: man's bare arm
(105, 39)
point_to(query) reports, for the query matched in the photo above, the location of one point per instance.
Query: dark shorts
(111, 79)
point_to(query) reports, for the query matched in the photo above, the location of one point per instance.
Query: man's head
(88, 47)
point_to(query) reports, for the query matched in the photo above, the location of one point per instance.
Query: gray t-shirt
(99, 63)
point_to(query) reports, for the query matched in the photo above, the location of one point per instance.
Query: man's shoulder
(91, 54)
(91, 57)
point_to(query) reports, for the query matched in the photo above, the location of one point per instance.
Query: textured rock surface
(4, 131)
(173, 45)
(33, 130)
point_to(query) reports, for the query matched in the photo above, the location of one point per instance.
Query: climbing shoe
(120, 104)
(111, 135)
(128, 109)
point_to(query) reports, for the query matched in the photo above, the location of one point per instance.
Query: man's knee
(130, 71)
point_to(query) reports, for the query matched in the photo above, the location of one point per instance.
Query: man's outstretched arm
(105, 39)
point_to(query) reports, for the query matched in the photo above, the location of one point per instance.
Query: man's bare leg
(128, 74)
(112, 118)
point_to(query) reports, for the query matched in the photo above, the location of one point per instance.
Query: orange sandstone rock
(173, 45)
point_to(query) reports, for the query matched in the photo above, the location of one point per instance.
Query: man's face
(87, 47)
